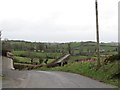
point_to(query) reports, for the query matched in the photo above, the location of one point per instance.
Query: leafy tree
(31, 56)
(40, 46)
(40, 60)
(6, 45)
(69, 48)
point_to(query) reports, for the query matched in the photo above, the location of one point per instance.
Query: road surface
(49, 79)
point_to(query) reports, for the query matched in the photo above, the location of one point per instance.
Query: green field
(22, 59)
(25, 57)
(36, 54)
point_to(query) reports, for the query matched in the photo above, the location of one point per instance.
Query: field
(25, 57)
(25, 51)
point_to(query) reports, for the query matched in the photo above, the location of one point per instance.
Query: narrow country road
(49, 79)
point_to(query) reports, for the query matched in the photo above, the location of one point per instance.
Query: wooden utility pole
(0, 35)
(0, 42)
(97, 34)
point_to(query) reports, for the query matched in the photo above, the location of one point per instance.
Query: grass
(73, 58)
(22, 59)
(50, 60)
(36, 54)
(104, 74)
(28, 61)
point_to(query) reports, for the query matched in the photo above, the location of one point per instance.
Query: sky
(58, 20)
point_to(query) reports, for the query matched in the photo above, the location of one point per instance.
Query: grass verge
(104, 74)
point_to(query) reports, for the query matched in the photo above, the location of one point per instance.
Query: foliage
(21, 60)
(25, 60)
(112, 58)
(6, 46)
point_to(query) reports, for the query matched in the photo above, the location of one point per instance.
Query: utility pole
(0, 44)
(97, 35)
(0, 39)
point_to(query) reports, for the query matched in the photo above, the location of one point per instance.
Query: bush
(112, 58)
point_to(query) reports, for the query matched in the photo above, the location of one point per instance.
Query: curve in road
(52, 79)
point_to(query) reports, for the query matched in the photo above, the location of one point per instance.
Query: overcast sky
(58, 20)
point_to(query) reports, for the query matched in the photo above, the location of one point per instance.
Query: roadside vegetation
(106, 73)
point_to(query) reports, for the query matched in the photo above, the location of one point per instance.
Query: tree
(40, 60)
(31, 56)
(40, 46)
(69, 48)
(6, 45)
(46, 61)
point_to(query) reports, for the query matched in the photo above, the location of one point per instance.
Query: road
(49, 79)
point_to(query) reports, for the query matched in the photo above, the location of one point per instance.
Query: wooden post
(97, 34)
